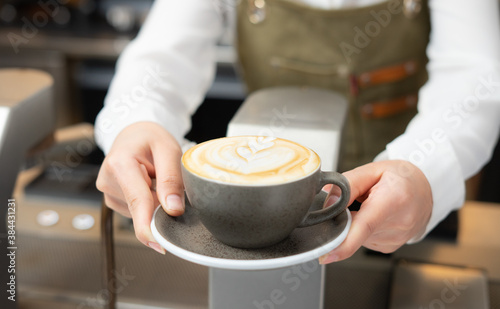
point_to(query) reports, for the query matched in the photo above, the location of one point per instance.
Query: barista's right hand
(140, 153)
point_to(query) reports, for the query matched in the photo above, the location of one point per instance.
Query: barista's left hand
(396, 205)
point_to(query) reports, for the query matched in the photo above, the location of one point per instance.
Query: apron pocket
(302, 73)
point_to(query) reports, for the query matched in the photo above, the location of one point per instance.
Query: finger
(327, 188)
(169, 185)
(106, 183)
(117, 205)
(387, 240)
(121, 207)
(333, 196)
(151, 182)
(357, 235)
(116, 201)
(140, 203)
(146, 176)
(364, 223)
(362, 179)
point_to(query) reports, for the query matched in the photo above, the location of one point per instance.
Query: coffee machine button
(83, 222)
(47, 218)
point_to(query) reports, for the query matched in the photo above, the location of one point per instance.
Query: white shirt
(163, 75)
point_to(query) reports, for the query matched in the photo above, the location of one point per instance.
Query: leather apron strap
(374, 55)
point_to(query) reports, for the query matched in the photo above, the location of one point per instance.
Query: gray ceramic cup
(255, 216)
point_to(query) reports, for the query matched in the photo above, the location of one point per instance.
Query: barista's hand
(396, 206)
(142, 152)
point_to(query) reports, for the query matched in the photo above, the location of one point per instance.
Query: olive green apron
(374, 55)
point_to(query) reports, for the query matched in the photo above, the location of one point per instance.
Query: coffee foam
(251, 160)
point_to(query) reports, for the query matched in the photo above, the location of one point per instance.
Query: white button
(47, 218)
(83, 222)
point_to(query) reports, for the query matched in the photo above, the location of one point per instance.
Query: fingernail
(174, 203)
(328, 258)
(156, 247)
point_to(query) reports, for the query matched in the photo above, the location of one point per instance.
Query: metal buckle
(256, 11)
(411, 8)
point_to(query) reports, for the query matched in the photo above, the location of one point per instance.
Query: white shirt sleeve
(458, 119)
(164, 73)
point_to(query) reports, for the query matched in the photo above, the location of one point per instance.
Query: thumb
(361, 180)
(169, 185)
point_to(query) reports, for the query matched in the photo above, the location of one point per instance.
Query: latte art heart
(251, 160)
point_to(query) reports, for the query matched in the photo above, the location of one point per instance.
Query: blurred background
(77, 42)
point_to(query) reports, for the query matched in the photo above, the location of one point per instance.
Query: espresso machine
(26, 118)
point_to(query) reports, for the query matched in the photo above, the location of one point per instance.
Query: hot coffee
(251, 160)
(252, 191)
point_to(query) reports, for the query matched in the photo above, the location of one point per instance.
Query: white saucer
(187, 238)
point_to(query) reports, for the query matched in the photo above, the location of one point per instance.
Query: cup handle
(322, 215)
